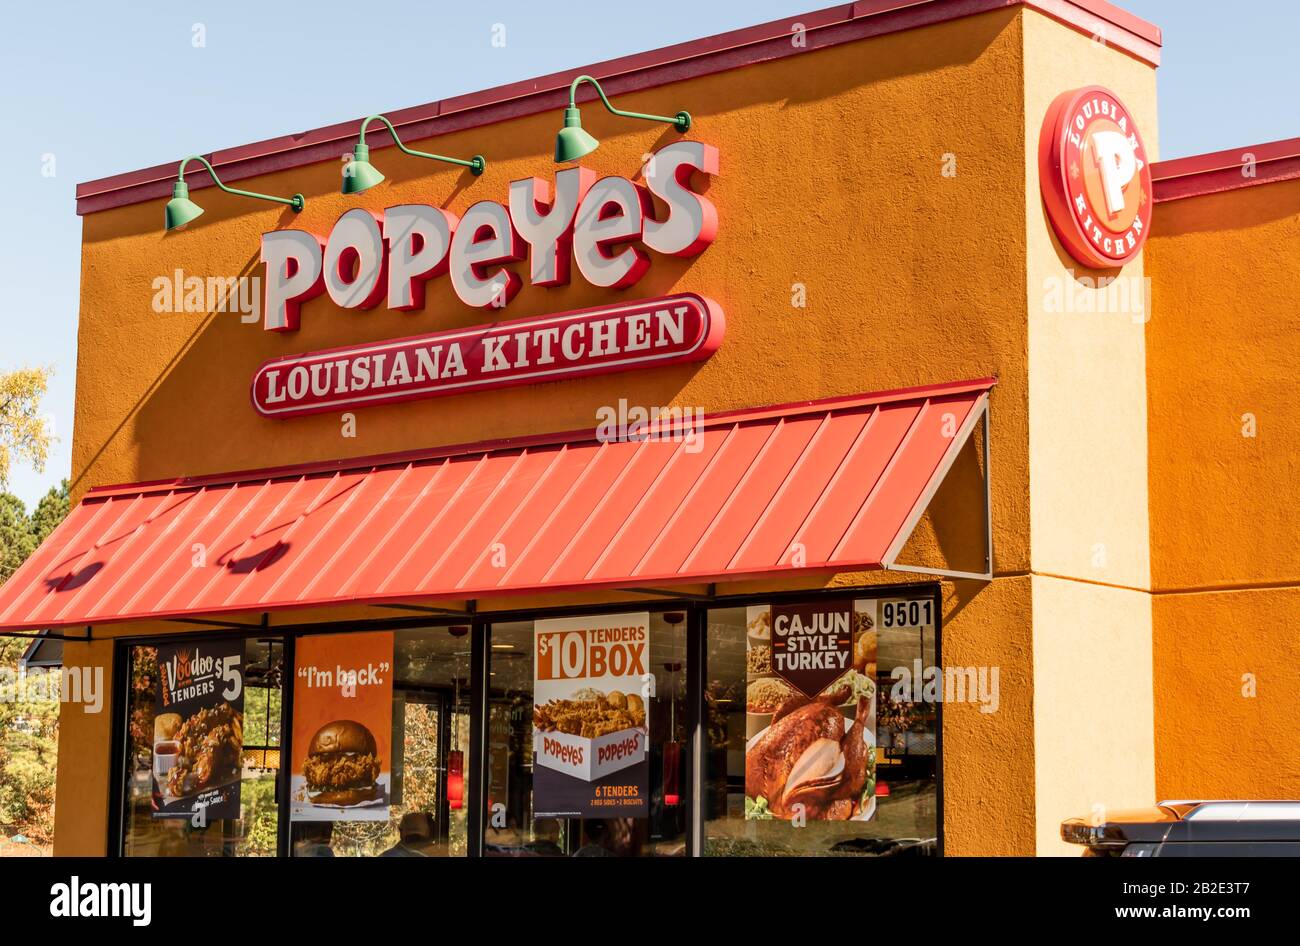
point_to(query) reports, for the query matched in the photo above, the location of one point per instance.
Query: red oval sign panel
(684, 327)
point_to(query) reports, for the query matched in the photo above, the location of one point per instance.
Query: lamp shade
(672, 774)
(573, 142)
(180, 209)
(455, 779)
(359, 174)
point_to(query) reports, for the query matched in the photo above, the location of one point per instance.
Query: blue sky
(104, 90)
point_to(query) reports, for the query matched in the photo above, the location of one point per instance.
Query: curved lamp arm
(476, 164)
(297, 201)
(682, 120)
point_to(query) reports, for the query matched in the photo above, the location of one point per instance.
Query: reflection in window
(512, 827)
(890, 807)
(431, 707)
(253, 834)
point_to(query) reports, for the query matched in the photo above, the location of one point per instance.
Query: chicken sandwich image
(342, 765)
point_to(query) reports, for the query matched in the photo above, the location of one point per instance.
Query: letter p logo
(1117, 163)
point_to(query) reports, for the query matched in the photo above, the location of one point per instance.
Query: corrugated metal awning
(830, 485)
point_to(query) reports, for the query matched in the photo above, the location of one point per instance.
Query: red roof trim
(712, 54)
(1218, 171)
(791, 409)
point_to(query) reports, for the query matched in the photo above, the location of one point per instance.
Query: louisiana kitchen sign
(672, 329)
(604, 228)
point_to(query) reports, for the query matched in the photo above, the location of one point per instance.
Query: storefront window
(819, 736)
(428, 772)
(809, 749)
(179, 756)
(590, 711)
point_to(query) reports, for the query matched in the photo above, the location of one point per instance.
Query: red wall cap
(712, 54)
(1218, 171)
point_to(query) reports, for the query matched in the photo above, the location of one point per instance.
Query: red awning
(836, 484)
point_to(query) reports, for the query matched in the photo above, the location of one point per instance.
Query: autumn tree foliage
(24, 434)
(29, 720)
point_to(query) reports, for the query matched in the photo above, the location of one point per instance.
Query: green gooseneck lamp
(573, 142)
(359, 174)
(181, 210)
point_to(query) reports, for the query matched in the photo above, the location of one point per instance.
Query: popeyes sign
(1095, 177)
(605, 226)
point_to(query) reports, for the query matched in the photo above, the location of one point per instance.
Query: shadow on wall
(195, 417)
(951, 533)
(86, 479)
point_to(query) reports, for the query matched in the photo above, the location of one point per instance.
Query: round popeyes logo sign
(1095, 177)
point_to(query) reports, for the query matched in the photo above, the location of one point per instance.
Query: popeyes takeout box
(590, 759)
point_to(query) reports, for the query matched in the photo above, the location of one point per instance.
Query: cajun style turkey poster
(590, 706)
(198, 730)
(810, 753)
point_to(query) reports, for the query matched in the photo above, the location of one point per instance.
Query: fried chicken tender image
(589, 718)
(210, 742)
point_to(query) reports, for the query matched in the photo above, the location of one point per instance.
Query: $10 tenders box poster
(591, 687)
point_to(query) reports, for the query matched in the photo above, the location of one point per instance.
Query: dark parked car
(1192, 829)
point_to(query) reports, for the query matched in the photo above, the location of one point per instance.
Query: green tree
(29, 713)
(15, 534)
(29, 719)
(50, 511)
(20, 534)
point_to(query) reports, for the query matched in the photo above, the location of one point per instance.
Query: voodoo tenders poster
(590, 717)
(198, 730)
(342, 727)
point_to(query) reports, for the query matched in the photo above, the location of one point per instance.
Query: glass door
(202, 748)
(614, 737)
(428, 792)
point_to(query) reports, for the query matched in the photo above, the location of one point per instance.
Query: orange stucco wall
(1225, 434)
(831, 180)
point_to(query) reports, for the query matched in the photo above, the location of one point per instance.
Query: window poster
(342, 727)
(810, 752)
(198, 730)
(591, 689)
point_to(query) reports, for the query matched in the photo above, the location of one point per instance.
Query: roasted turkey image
(809, 757)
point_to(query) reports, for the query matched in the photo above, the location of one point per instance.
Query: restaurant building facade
(627, 497)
